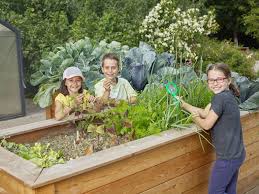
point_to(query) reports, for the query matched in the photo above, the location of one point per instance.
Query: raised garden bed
(170, 162)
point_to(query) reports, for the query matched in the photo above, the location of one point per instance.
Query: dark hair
(226, 71)
(111, 56)
(63, 88)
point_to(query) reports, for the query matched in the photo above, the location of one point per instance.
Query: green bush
(43, 24)
(46, 24)
(213, 51)
(112, 20)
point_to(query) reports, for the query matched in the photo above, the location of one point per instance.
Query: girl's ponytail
(235, 91)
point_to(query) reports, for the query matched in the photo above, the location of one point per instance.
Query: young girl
(71, 94)
(223, 118)
(112, 86)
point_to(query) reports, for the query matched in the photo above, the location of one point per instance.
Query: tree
(43, 24)
(112, 20)
(235, 17)
(251, 20)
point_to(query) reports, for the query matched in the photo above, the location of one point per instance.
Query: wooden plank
(135, 181)
(250, 136)
(250, 120)
(199, 189)
(28, 190)
(243, 113)
(158, 174)
(249, 167)
(247, 180)
(34, 136)
(252, 151)
(137, 155)
(48, 112)
(120, 169)
(13, 186)
(49, 189)
(10, 184)
(2, 191)
(17, 167)
(254, 190)
(22, 129)
(183, 183)
(244, 184)
(118, 153)
(248, 183)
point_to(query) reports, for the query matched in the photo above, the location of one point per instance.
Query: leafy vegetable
(154, 112)
(83, 54)
(41, 155)
(249, 92)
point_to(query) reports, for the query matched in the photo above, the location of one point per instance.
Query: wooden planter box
(170, 162)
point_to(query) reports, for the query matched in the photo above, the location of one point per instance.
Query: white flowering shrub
(171, 29)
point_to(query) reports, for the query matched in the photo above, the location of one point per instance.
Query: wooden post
(50, 110)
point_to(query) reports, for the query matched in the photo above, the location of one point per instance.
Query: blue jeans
(224, 176)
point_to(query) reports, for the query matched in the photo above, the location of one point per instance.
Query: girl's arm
(207, 122)
(192, 109)
(205, 118)
(61, 112)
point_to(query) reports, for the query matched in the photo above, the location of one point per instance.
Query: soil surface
(72, 144)
(80, 143)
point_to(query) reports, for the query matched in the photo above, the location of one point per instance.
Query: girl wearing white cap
(71, 95)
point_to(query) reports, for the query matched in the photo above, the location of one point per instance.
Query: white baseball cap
(72, 72)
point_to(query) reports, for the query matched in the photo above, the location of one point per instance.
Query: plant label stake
(172, 89)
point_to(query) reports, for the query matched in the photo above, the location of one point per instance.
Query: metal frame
(20, 67)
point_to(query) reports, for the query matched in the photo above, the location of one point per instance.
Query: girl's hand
(91, 98)
(79, 99)
(180, 99)
(195, 114)
(67, 110)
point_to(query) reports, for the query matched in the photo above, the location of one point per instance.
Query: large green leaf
(252, 103)
(81, 54)
(44, 96)
(67, 63)
(37, 78)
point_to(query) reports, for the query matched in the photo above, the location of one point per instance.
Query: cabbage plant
(83, 54)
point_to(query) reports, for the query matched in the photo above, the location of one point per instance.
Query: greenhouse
(11, 94)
